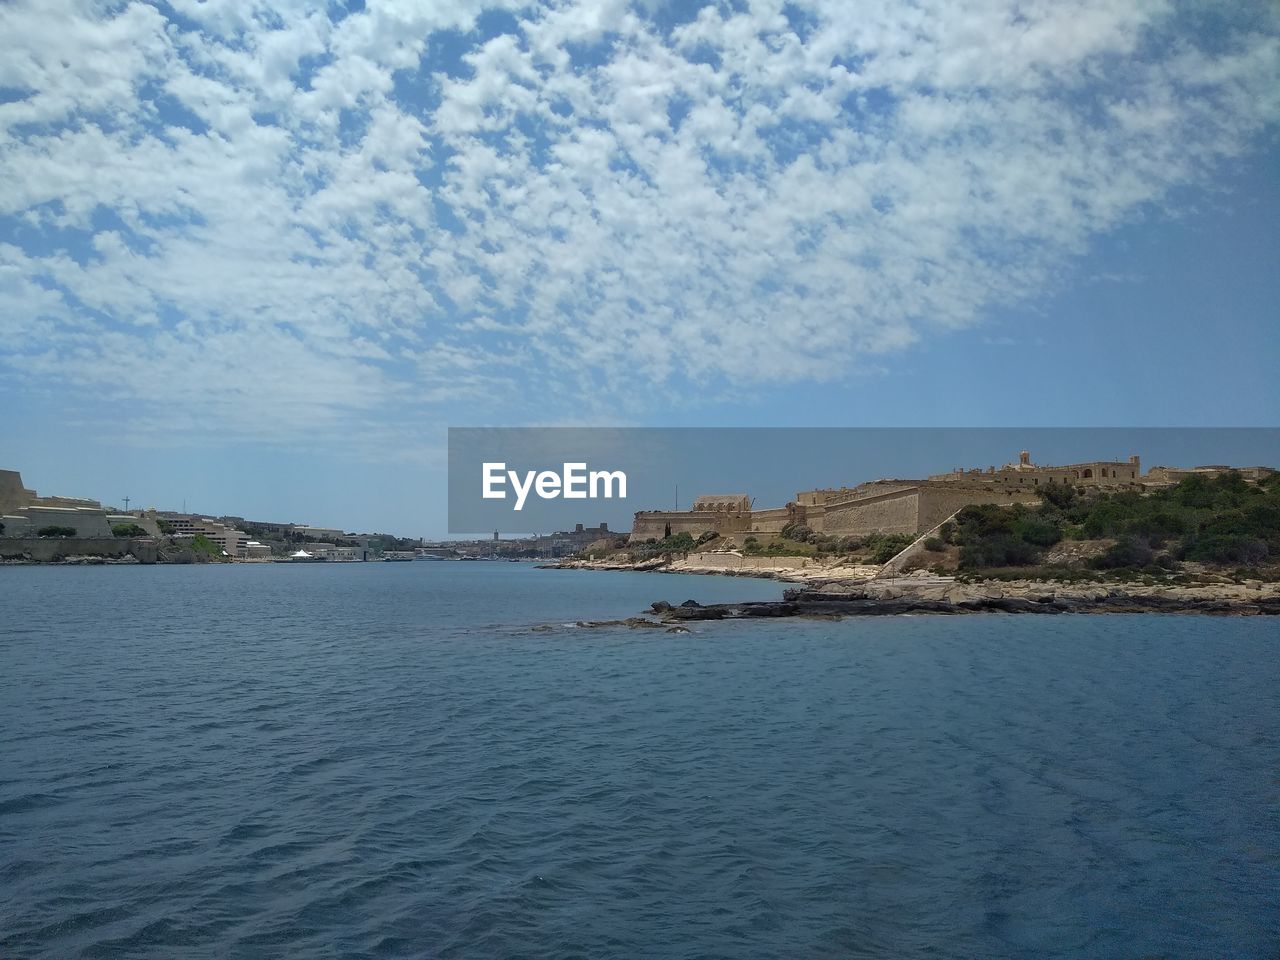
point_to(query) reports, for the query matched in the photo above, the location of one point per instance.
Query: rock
(660, 606)
(631, 622)
(678, 630)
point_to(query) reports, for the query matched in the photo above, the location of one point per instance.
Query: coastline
(837, 591)
(786, 569)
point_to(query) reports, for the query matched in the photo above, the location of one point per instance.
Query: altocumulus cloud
(408, 203)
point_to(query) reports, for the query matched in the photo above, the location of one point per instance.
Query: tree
(127, 530)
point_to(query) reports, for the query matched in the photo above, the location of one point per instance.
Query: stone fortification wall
(941, 499)
(911, 509)
(732, 561)
(894, 512)
(657, 524)
(12, 493)
(50, 549)
(772, 521)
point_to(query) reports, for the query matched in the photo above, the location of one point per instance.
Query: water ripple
(387, 761)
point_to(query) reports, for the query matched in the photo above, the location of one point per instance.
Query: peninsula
(1087, 537)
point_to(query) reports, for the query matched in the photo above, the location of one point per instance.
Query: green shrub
(1060, 495)
(203, 545)
(127, 530)
(1037, 531)
(56, 531)
(887, 546)
(935, 544)
(998, 550)
(1229, 548)
(1127, 553)
(681, 542)
(795, 530)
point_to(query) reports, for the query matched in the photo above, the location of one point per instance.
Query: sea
(433, 760)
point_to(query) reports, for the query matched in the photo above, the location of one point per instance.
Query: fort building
(720, 513)
(904, 506)
(24, 513)
(1097, 473)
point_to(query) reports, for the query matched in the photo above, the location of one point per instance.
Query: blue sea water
(387, 760)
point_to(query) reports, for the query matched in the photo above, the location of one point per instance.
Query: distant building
(1172, 475)
(1096, 473)
(564, 542)
(229, 539)
(253, 550)
(317, 533)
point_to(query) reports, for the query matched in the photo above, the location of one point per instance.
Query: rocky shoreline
(947, 597)
(786, 569)
(813, 606)
(921, 593)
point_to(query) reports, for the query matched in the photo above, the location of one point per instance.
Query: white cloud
(590, 203)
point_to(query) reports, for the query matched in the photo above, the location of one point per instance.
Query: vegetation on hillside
(127, 530)
(873, 548)
(203, 546)
(1222, 520)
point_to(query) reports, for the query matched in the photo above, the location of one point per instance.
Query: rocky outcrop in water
(944, 597)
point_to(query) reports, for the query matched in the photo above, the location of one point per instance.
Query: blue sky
(259, 257)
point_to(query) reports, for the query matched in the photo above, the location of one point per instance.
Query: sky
(256, 258)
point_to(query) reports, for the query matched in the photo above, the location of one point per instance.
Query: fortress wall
(771, 521)
(655, 523)
(1118, 474)
(913, 509)
(12, 493)
(47, 550)
(732, 561)
(939, 500)
(873, 488)
(896, 512)
(86, 523)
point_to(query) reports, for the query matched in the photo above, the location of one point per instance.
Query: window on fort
(1088, 474)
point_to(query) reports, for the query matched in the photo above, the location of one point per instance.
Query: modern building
(253, 550)
(229, 539)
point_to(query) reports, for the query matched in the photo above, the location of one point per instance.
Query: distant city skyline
(260, 261)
